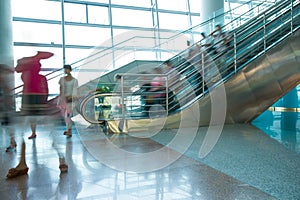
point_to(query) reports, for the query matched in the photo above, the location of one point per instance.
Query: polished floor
(249, 161)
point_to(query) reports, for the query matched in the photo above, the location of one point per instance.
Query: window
(37, 33)
(75, 12)
(130, 18)
(195, 6)
(89, 69)
(138, 3)
(96, 1)
(98, 15)
(173, 21)
(89, 36)
(196, 20)
(136, 18)
(178, 5)
(36, 9)
(74, 55)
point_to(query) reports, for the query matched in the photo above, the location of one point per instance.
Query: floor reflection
(88, 178)
(282, 126)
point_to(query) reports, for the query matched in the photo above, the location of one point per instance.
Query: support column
(208, 8)
(6, 39)
(7, 82)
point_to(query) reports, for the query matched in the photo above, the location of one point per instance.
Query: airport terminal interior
(223, 123)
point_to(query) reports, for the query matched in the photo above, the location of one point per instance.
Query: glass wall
(76, 29)
(73, 29)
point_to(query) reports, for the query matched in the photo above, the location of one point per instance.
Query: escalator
(261, 64)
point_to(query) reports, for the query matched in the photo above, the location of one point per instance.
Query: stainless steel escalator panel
(238, 92)
(262, 75)
(259, 79)
(264, 81)
(249, 92)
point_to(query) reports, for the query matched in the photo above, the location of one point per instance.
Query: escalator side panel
(264, 81)
(239, 93)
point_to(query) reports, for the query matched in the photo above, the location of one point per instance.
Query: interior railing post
(167, 95)
(292, 17)
(122, 96)
(235, 56)
(203, 71)
(265, 43)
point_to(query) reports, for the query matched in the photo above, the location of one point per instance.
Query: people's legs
(61, 157)
(33, 130)
(22, 164)
(21, 168)
(13, 143)
(68, 120)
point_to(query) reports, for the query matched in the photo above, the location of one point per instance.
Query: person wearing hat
(68, 93)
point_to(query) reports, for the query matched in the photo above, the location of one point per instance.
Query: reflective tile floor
(246, 163)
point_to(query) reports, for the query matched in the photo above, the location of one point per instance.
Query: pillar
(6, 39)
(6, 59)
(208, 9)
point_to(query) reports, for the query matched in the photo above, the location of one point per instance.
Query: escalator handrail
(135, 37)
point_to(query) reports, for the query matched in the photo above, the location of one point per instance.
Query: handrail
(135, 37)
(268, 26)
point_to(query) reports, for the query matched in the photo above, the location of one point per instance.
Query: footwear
(68, 133)
(14, 172)
(11, 149)
(104, 127)
(32, 137)
(63, 168)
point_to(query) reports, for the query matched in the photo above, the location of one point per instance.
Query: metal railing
(131, 46)
(196, 75)
(161, 48)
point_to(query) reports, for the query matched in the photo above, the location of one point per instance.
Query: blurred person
(6, 93)
(35, 87)
(21, 168)
(34, 100)
(6, 101)
(221, 39)
(173, 77)
(195, 58)
(68, 92)
(157, 91)
(207, 44)
(69, 186)
(158, 84)
(174, 84)
(222, 44)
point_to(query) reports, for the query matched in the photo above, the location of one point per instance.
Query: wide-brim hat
(43, 55)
